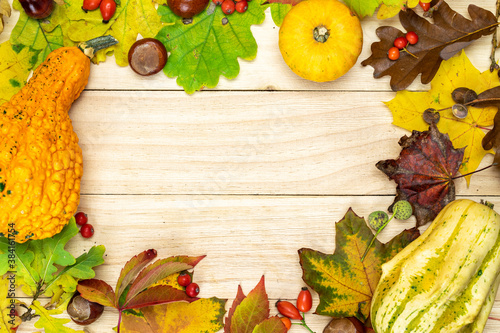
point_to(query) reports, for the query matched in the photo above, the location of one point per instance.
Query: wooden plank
(268, 71)
(241, 143)
(244, 237)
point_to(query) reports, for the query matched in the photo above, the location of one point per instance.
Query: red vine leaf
(424, 172)
(450, 33)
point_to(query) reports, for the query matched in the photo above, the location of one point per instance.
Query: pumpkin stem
(90, 47)
(321, 34)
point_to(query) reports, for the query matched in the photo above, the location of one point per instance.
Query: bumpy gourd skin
(40, 160)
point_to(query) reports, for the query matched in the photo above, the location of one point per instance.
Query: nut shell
(147, 56)
(82, 311)
(187, 8)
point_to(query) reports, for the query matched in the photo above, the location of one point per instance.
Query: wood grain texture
(246, 173)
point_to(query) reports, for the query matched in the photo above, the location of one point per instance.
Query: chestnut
(83, 312)
(37, 9)
(187, 8)
(147, 56)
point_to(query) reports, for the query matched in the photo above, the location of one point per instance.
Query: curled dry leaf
(4, 11)
(450, 33)
(424, 172)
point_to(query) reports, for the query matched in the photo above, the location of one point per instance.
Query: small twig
(494, 42)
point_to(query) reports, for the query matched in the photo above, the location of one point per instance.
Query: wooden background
(246, 173)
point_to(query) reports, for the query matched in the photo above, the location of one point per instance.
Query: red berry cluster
(229, 6)
(107, 7)
(185, 280)
(87, 230)
(290, 311)
(400, 44)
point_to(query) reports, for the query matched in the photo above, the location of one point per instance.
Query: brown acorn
(463, 95)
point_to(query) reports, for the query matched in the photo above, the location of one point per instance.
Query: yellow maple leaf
(408, 107)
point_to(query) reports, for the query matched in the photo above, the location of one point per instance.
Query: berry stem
(414, 56)
(376, 234)
(303, 323)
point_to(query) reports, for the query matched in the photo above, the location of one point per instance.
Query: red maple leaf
(424, 172)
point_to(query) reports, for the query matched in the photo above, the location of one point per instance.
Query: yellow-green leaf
(204, 315)
(7, 304)
(407, 108)
(346, 284)
(132, 17)
(15, 65)
(48, 322)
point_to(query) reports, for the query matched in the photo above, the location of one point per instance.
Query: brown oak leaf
(424, 172)
(450, 33)
(491, 97)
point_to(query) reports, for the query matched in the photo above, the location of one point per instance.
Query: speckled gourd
(446, 280)
(40, 160)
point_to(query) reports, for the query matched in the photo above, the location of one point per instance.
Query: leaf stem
(119, 321)
(376, 234)
(473, 172)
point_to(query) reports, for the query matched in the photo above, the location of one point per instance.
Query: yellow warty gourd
(40, 160)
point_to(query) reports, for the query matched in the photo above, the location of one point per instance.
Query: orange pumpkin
(320, 40)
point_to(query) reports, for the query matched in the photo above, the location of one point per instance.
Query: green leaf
(132, 17)
(278, 12)
(48, 322)
(363, 7)
(204, 50)
(15, 65)
(29, 32)
(251, 311)
(81, 269)
(346, 284)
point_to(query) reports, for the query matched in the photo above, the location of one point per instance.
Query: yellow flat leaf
(408, 107)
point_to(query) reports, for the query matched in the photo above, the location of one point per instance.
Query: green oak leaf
(346, 284)
(67, 279)
(363, 7)
(29, 32)
(207, 48)
(278, 12)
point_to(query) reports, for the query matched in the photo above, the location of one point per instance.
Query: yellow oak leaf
(408, 107)
(387, 11)
(8, 319)
(15, 64)
(132, 17)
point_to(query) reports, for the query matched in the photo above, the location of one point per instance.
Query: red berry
(228, 6)
(400, 42)
(192, 290)
(184, 279)
(304, 300)
(289, 310)
(287, 322)
(217, 2)
(87, 230)
(412, 37)
(90, 5)
(108, 8)
(425, 5)
(81, 218)
(393, 53)
(241, 6)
